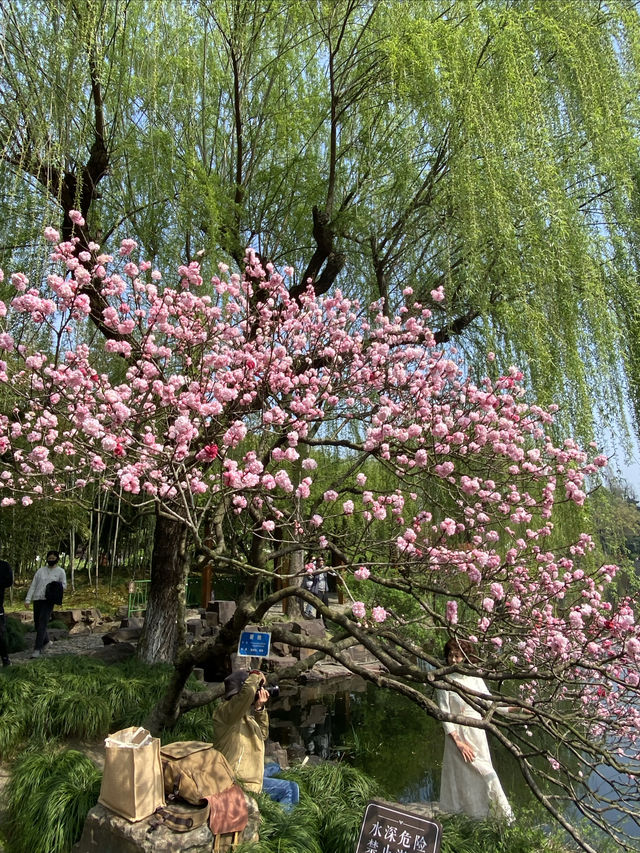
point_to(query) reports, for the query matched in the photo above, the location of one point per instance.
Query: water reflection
(378, 731)
(390, 739)
(316, 717)
(375, 730)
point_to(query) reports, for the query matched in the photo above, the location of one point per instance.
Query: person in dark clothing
(6, 580)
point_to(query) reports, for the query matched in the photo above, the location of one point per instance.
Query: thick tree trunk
(294, 607)
(163, 630)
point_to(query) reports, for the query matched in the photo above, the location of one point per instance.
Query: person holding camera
(241, 727)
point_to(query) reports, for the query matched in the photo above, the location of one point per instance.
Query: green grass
(49, 795)
(74, 697)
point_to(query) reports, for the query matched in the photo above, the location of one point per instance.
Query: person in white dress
(469, 784)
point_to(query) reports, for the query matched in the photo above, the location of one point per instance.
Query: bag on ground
(196, 772)
(193, 770)
(132, 785)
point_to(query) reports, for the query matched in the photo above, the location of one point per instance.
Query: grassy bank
(45, 705)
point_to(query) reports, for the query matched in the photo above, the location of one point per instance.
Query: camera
(272, 689)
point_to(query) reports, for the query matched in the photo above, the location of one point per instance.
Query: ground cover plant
(52, 789)
(73, 697)
(16, 631)
(47, 799)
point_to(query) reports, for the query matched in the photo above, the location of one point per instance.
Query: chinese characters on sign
(387, 829)
(254, 644)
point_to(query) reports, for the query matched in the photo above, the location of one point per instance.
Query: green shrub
(74, 697)
(16, 631)
(332, 805)
(332, 802)
(58, 623)
(48, 796)
(196, 725)
(461, 834)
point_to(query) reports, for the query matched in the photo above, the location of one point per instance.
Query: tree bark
(164, 629)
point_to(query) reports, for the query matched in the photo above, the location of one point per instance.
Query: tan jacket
(239, 732)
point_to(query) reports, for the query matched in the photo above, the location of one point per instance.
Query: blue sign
(254, 644)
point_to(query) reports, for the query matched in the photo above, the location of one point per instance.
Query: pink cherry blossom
(378, 614)
(245, 413)
(358, 609)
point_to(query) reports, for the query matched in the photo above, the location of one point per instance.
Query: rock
(79, 628)
(69, 617)
(281, 650)
(224, 609)
(303, 654)
(106, 832)
(296, 753)
(57, 633)
(313, 628)
(122, 612)
(132, 622)
(122, 635)
(22, 615)
(92, 614)
(359, 654)
(314, 715)
(274, 752)
(276, 663)
(194, 626)
(114, 653)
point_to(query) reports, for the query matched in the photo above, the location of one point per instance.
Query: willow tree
(487, 147)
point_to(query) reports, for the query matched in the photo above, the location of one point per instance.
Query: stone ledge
(106, 832)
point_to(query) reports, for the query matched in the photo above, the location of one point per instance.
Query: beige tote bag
(132, 784)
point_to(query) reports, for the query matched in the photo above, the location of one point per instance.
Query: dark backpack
(53, 592)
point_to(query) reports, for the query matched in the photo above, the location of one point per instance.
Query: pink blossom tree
(260, 425)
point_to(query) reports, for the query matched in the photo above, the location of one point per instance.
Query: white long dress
(469, 787)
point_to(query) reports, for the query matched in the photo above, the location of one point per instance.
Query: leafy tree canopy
(490, 147)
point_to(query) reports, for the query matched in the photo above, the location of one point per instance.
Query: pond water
(378, 731)
(389, 738)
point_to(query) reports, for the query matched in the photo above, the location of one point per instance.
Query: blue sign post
(254, 644)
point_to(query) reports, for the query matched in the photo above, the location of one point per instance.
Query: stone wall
(106, 832)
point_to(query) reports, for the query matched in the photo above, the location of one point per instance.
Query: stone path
(80, 644)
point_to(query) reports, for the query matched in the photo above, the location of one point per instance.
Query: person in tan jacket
(241, 727)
